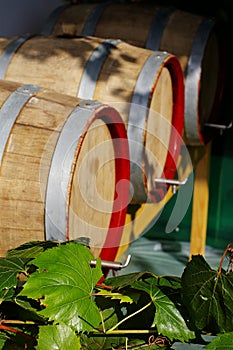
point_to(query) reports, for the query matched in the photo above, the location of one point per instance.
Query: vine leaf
(64, 283)
(55, 337)
(9, 268)
(222, 341)
(30, 250)
(123, 281)
(167, 318)
(126, 280)
(208, 295)
(96, 340)
(3, 338)
(114, 295)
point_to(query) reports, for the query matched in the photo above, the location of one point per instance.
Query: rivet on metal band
(9, 52)
(93, 67)
(60, 170)
(10, 111)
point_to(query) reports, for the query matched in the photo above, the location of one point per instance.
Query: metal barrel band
(193, 74)
(10, 111)
(92, 21)
(137, 116)
(9, 52)
(51, 22)
(93, 68)
(157, 28)
(60, 170)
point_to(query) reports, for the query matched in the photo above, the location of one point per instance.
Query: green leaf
(221, 342)
(114, 295)
(56, 337)
(7, 294)
(98, 340)
(65, 281)
(123, 281)
(167, 319)
(14, 311)
(31, 250)
(165, 295)
(126, 280)
(9, 268)
(208, 295)
(3, 339)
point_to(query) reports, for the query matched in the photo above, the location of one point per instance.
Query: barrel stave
(26, 166)
(116, 73)
(199, 42)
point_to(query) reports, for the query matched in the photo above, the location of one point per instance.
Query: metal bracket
(221, 127)
(112, 265)
(173, 183)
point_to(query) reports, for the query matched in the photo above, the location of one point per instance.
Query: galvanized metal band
(10, 111)
(60, 171)
(136, 120)
(52, 19)
(157, 28)
(92, 21)
(192, 80)
(9, 52)
(93, 67)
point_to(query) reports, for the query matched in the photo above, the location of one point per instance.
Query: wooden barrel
(146, 87)
(64, 170)
(197, 41)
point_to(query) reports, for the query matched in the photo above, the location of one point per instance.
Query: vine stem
(128, 317)
(102, 320)
(4, 327)
(222, 259)
(104, 286)
(128, 331)
(16, 321)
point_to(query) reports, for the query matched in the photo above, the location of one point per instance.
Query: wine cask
(64, 169)
(145, 86)
(199, 42)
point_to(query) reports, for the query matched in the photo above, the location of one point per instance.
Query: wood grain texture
(174, 31)
(59, 64)
(26, 164)
(200, 205)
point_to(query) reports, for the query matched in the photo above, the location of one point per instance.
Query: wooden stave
(101, 20)
(168, 60)
(23, 214)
